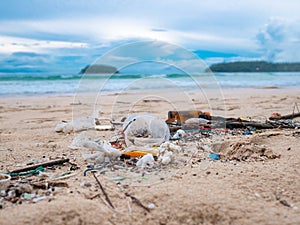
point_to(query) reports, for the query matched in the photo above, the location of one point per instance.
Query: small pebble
(151, 206)
(85, 184)
(208, 172)
(257, 195)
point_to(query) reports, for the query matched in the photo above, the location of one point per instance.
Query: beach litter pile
(146, 143)
(34, 183)
(143, 150)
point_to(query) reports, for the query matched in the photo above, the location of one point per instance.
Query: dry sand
(218, 192)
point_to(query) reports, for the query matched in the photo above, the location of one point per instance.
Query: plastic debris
(134, 154)
(36, 171)
(145, 130)
(135, 150)
(151, 206)
(145, 161)
(179, 134)
(96, 169)
(117, 178)
(198, 121)
(104, 127)
(81, 138)
(247, 133)
(214, 156)
(165, 157)
(170, 147)
(29, 196)
(103, 152)
(64, 175)
(166, 151)
(180, 117)
(103, 124)
(37, 199)
(75, 125)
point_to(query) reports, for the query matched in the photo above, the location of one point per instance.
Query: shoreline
(107, 93)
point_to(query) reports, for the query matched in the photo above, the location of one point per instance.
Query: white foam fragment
(145, 161)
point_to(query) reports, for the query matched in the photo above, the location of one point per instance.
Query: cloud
(15, 44)
(279, 40)
(79, 32)
(25, 61)
(159, 30)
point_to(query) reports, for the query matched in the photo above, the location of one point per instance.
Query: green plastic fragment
(38, 170)
(117, 178)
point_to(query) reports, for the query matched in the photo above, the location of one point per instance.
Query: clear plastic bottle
(145, 130)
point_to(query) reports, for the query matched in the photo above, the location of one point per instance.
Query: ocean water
(60, 84)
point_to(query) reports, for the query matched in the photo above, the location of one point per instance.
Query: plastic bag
(75, 125)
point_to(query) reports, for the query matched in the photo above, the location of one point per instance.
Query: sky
(64, 36)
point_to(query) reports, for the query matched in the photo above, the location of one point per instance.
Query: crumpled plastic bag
(100, 153)
(75, 125)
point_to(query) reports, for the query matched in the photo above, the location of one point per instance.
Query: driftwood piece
(45, 164)
(46, 185)
(231, 123)
(285, 117)
(235, 124)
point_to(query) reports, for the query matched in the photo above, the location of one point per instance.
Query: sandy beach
(202, 191)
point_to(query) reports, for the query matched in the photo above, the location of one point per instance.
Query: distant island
(98, 69)
(255, 66)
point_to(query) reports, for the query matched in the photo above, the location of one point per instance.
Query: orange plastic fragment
(275, 114)
(137, 153)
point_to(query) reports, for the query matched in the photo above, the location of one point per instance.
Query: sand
(254, 191)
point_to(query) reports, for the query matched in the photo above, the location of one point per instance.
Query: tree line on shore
(255, 66)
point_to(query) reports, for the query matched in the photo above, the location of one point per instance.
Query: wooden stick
(289, 116)
(252, 124)
(296, 107)
(138, 202)
(45, 164)
(103, 191)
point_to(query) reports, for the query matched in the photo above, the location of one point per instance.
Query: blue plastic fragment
(247, 133)
(250, 128)
(214, 156)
